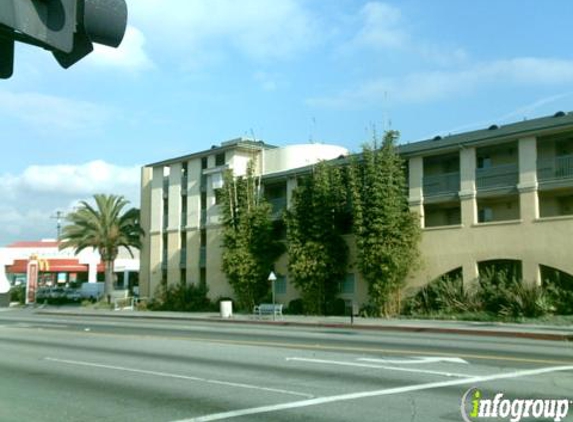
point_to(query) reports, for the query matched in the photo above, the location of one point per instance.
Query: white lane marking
(375, 393)
(390, 368)
(177, 376)
(416, 360)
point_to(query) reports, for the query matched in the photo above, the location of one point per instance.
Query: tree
(249, 245)
(104, 227)
(387, 233)
(318, 254)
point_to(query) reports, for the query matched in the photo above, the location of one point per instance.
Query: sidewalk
(495, 329)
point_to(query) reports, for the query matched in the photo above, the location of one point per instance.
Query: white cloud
(424, 87)
(259, 29)
(32, 197)
(130, 55)
(381, 27)
(57, 113)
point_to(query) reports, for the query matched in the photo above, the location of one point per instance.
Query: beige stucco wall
(541, 242)
(216, 280)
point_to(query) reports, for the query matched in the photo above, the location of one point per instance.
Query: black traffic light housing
(66, 27)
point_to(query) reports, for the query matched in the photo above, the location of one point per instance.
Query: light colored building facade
(181, 217)
(499, 194)
(503, 194)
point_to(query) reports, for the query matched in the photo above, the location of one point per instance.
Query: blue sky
(193, 73)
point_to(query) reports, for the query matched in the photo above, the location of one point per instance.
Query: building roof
(539, 126)
(35, 244)
(237, 143)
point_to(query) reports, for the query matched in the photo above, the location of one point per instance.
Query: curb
(393, 328)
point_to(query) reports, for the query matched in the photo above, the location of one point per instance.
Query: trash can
(226, 308)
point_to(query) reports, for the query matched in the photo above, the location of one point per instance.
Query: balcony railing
(440, 184)
(183, 257)
(555, 168)
(183, 220)
(506, 175)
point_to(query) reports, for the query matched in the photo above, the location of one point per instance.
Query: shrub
(559, 288)
(369, 310)
(443, 295)
(336, 307)
(498, 293)
(181, 297)
(505, 295)
(295, 307)
(18, 294)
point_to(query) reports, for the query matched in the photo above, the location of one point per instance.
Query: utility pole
(58, 217)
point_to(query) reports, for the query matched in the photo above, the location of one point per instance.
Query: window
(484, 162)
(203, 237)
(204, 163)
(280, 285)
(485, 214)
(220, 159)
(203, 200)
(347, 286)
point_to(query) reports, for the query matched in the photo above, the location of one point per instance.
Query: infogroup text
(475, 407)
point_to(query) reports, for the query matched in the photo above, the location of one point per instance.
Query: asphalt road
(62, 368)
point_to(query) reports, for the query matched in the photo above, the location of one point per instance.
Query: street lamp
(272, 278)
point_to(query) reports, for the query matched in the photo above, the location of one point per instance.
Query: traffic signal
(66, 27)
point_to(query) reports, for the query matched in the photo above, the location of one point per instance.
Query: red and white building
(64, 266)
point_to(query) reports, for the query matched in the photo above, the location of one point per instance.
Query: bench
(268, 309)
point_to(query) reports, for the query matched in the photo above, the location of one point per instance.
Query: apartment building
(502, 195)
(499, 195)
(181, 216)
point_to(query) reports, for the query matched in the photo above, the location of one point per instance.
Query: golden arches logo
(43, 264)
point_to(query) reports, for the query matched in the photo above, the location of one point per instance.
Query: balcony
(442, 184)
(556, 168)
(501, 176)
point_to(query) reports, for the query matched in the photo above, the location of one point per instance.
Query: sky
(193, 73)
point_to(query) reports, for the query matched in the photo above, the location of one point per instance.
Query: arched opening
(510, 268)
(559, 287)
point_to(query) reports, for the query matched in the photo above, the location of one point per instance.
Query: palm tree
(105, 228)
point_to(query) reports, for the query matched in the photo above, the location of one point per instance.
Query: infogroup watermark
(475, 407)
